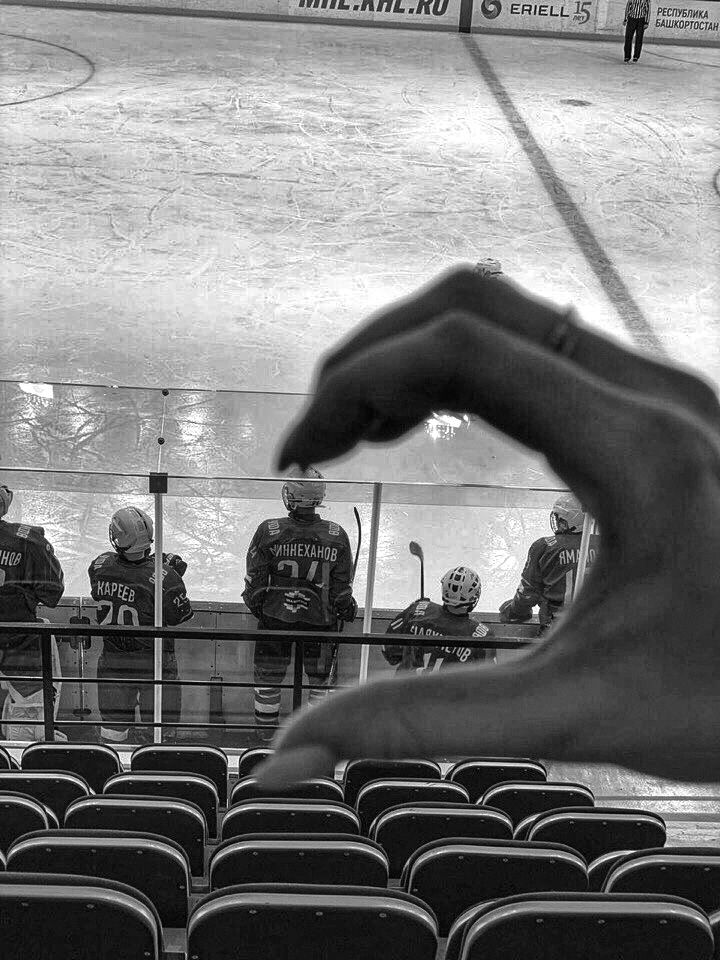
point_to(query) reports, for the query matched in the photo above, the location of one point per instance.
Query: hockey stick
(417, 551)
(341, 624)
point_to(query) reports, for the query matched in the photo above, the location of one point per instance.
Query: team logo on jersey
(333, 529)
(273, 527)
(480, 630)
(296, 601)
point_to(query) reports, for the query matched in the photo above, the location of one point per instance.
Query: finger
(504, 303)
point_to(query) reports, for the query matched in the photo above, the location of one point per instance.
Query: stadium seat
(20, 814)
(54, 917)
(6, 761)
(291, 858)
(452, 875)
(360, 772)
(183, 786)
(2, 861)
(273, 921)
(590, 926)
(479, 775)
(522, 800)
(593, 831)
(156, 866)
(251, 759)
(401, 830)
(600, 867)
(379, 795)
(55, 789)
(690, 872)
(289, 816)
(92, 761)
(210, 762)
(319, 788)
(177, 820)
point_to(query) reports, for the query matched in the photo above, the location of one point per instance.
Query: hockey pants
(117, 702)
(22, 713)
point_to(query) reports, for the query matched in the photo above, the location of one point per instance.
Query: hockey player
(122, 581)
(460, 593)
(299, 577)
(548, 578)
(30, 574)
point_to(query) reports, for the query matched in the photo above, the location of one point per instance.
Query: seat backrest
(248, 761)
(312, 859)
(54, 917)
(210, 762)
(359, 772)
(289, 816)
(594, 831)
(379, 795)
(20, 814)
(54, 788)
(521, 800)
(403, 829)
(194, 787)
(479, 775)
(599, 868)
(689, 872)
(178, 820)
(318, 788)
(452, 875)
(267, 921)
(156, 866)
(6, 762)
(591, 926)
(94, 762)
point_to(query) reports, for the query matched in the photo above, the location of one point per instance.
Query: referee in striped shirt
(637, 17)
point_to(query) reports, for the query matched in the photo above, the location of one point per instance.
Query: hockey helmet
(6, 498)
(131, 532)
(304, 494)
(461, 587)
(567, 508)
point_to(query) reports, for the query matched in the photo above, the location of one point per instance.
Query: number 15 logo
(582, 11)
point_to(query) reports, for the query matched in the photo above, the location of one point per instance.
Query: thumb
(521, 709)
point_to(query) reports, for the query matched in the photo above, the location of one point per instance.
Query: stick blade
(415, 549)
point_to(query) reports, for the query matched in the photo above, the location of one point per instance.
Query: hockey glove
(508, 614)
(175, 561)
(346, 608)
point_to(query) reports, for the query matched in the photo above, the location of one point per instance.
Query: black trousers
(635, 28)
(117, 701)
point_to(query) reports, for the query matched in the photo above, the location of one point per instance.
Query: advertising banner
(694, 21)
(560, 16)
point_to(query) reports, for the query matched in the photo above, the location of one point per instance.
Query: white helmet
(306, 494)
(6, 498)
(461, 588)
(567, 508)
(131, 533)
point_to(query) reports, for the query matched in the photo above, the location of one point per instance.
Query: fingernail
(287, 767)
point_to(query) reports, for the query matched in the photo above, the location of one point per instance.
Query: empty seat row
(50, 917)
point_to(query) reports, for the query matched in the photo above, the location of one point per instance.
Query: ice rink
(206, 205)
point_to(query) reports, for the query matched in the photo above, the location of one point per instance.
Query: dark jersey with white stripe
(427, 619)
(30, 573)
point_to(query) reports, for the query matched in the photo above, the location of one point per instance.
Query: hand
(631, 674)
(507, 614)
(177, 563)
(346, 607)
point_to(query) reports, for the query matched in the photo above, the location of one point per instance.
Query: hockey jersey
(30, 573)
(125, 595)
(298, 570)
(427, 619)
(548, 578)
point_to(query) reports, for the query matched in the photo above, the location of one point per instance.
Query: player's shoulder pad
(27, 532)
(481, 630)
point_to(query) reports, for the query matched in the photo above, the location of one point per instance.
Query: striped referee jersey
(639, 9)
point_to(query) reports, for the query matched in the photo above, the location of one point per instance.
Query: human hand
(631, 674)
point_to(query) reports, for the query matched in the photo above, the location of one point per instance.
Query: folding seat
(690, 872)
(182, 786)
(401, 830)
(94, 762)
(6, 761)
(210, 762)
(478, 775)
(177, 820)
(55, 789)
(273, 921)
(289, 816)
(379, 795)
(592, 926)
(318, 788)
(156, 866)
(20, 814)
(251, 759)
(522, 800)
(53, 917)
(599, 868)
(593, 831)
(360, 772)
(452, 875)
(291, 858)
